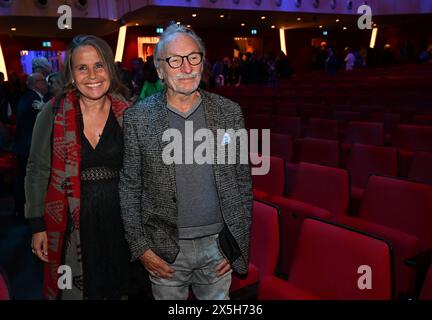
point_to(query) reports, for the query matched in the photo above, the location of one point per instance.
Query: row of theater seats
(384, 130)
(349, 173)
(360, 160)
(396, 210)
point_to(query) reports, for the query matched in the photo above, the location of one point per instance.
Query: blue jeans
(195, 266)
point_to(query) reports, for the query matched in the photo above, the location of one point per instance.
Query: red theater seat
(319, 151)
(273, 182)
(322, 129)
(421, 167)
(405, 207)
(288, 125)
(364, 161)
(371, 133)
(327, 265)
(264, 245)
(318, 191)
(281, 145)
(399, 204)
(413, 138)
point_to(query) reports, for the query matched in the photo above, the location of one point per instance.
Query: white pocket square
(226, 139)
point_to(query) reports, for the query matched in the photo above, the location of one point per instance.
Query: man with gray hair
(189, 224)
(28, 108)
(41, 65)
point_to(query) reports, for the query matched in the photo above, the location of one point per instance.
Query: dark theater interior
(338, 92)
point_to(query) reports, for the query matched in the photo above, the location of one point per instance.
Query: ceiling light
(13, 29)
(344, 28)
(194, 15)
(298, 19)
(320, 26)
(137, 24)
(243, 24)
(188, 26)
(178, 22)
(273, 26)
(337, 20)
(221, 16)
(263, 17)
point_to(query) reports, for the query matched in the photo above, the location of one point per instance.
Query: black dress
(105, 252)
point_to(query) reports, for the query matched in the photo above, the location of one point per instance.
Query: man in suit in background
(28, 108)
(188, 223)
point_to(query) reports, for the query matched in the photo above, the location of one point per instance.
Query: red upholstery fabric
(399, 204)
(421, 167)
(322, 129)
(273, 182)
(366, 160)
(288, 125)
(326, 263)
(319, 151)
(264, 246)
(404, 246)
(281, 145)
(371, 133)
(292, 214)
(390, 121)
(323, 187)
(414, 138)
(426, 292)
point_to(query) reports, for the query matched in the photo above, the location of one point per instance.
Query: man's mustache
(187, 76)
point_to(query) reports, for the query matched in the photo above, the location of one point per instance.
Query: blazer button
(174, 199)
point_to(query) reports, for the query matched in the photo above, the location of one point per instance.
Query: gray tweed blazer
(148, 186)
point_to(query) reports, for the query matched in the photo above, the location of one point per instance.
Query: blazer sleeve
(130, 188)
(38, 169)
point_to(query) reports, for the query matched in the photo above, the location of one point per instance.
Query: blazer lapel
(162, 124)
(212, 113)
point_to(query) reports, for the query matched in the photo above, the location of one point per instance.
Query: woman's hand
(40, 245)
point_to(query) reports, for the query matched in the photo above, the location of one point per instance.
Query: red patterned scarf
(63, 194)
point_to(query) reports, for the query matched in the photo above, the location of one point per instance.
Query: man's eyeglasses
(176, 62)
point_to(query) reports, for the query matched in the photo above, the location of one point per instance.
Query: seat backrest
(288, 125)
(281, 145)
(334, 262)
(322, 186)
(415, 138)
(390, 120)
(366, 160)
(371, 133)
(273, 182)
(319, 151)
(421, 167)
(265, 242)
(399, 204)
(322, 129)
